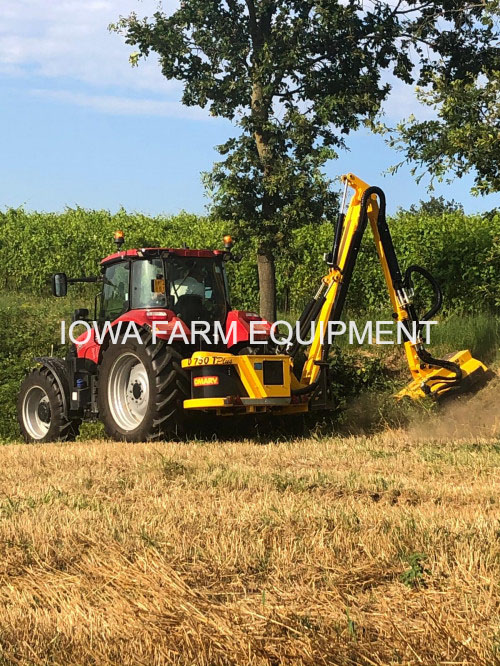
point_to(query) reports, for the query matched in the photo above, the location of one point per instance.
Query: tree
(464, 134)
(463, 137)
(435, 206)
(296, 76)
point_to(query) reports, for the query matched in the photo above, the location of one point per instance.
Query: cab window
(148, 284)
(197, 288)
(115, 292)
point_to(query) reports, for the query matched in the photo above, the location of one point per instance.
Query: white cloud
(402, 102)
(116, 105)
(66, 46)
(68, 42)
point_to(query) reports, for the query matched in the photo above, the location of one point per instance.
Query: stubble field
(380, 549)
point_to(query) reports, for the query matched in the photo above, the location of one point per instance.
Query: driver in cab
(191, 284)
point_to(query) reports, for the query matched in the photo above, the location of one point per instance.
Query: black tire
(167, 387)
(49, 422)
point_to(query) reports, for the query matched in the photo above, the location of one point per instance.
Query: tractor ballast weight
(145, 388)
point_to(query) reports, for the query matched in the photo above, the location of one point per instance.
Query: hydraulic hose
(426, 357)
(438, 294)
(398, 282)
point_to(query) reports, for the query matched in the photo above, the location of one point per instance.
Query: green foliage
(414, 576)
(75, 241)
(268, 210)
(30, 327)
(480, 334)
(464, 95)
(352, 373)
(351, 625)
(78, 239)
(464, 135)
(462, 251)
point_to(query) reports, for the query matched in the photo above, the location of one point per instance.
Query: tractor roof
(150, 250)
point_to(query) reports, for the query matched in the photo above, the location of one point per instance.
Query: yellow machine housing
(263, 382)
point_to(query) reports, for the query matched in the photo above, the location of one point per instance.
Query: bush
(463, 251)
(30, 327)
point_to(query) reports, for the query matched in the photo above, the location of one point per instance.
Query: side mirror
(59, 284)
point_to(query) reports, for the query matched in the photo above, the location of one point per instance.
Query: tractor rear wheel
(40, 409)
(141, 389)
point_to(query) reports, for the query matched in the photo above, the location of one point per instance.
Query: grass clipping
(354, 550)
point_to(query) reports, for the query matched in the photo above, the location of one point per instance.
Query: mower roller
(143, 387)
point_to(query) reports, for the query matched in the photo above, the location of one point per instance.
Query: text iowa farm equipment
(144, 387)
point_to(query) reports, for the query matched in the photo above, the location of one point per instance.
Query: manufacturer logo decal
(210, 380)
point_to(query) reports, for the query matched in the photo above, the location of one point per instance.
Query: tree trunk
(267, 284)
(261, 105)
(265, 257)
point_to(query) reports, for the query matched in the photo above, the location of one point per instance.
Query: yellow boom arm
(430, 376)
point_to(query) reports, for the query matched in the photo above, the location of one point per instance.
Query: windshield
(197, 288)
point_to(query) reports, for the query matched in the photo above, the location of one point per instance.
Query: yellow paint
(437, 388)
(333, 279)
(251, 372)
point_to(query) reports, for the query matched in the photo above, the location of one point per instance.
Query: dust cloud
(464, 417)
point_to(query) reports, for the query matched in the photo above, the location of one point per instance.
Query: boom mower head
(463, 374)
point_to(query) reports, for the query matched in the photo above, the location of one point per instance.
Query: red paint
(167, 321)
(243, 319)
(144, 319)
(180, 252)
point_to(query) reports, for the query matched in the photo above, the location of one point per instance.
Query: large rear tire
(40, 409)
(141, 390)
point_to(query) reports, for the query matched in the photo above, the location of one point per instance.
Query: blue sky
(79, 126)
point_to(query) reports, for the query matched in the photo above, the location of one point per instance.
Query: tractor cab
(190, 284)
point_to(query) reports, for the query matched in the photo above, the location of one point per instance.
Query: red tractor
(135, 388)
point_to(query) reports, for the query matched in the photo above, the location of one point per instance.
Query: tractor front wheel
(40, 409)
(141, 390)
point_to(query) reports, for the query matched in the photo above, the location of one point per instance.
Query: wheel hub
(36, 412)
(137, 390)
(128, 391)
(44, 411)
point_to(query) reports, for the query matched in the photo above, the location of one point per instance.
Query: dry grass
(356, 550)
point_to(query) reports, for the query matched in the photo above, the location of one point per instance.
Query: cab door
(115, 296)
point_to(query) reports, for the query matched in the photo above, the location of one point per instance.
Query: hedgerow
(463, 252)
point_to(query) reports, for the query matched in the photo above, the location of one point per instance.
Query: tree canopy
(463, 137)
(296, 77)
(464, 132)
